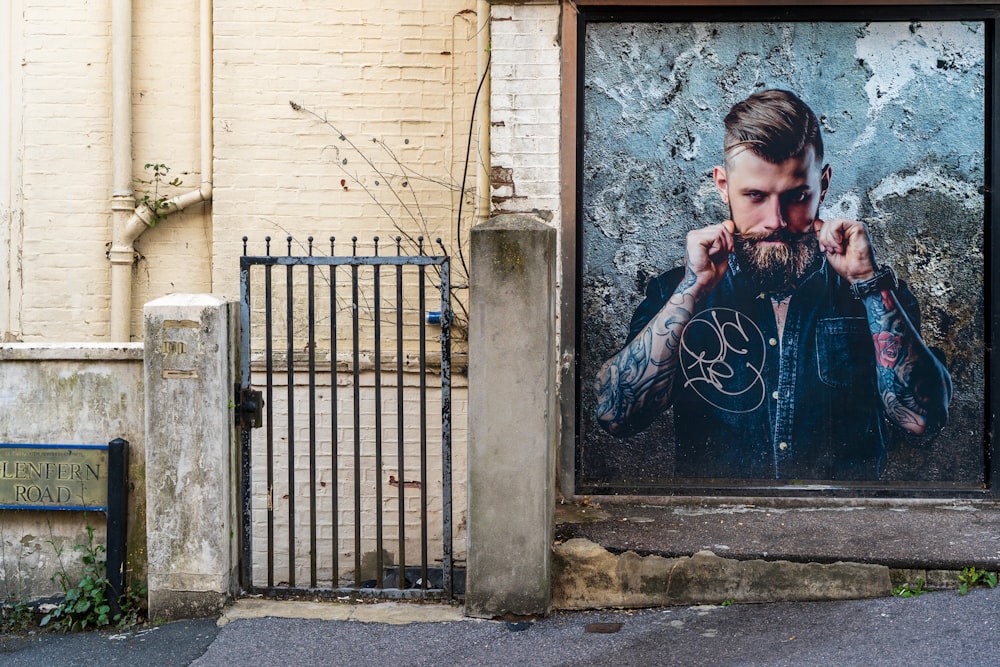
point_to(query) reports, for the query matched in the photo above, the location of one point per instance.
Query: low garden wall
(67, 394)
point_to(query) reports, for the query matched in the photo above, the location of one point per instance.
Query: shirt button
(772, 342)
(783, 446)
(774, 395)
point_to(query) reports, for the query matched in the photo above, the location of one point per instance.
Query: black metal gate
(352, 471)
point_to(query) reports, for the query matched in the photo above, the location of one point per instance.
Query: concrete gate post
(191, 454)
(512, 417)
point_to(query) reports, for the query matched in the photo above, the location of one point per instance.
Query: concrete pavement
(940, 628)
(673, 558)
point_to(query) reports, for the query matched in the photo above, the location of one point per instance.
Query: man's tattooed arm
(636, 385)
(915, 387)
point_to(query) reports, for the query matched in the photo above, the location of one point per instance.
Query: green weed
(15, 615)
(156, 201)
(972, 577)
(85, 604)
(909, 591)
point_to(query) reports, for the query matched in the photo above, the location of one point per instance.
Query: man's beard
(779, 268)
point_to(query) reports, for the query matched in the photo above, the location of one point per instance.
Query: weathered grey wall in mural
(902, 109)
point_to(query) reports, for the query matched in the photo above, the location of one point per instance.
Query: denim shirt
(748, 405)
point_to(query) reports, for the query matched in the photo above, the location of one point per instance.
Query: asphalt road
(939, 628)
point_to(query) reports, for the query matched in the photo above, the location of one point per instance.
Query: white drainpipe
(122, 199)
(129, 221)
(484, 196)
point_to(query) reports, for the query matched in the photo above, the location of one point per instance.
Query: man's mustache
(781, 235)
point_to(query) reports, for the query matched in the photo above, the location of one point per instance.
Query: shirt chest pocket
(844, 356)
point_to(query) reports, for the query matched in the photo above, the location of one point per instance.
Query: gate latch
(249, 408)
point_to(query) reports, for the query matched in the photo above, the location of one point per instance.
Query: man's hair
(775, 124)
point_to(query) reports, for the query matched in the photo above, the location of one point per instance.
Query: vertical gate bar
(401, 577)
(379, 565)
(357, 420)
(423, 425)
(269, 406)
(290, 327)
(246, 488)
(312, 418)
(334, 440)
(446, 519)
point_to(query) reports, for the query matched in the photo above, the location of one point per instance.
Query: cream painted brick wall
(525, 112)
(175, 256)
(62, 170)
(402, 73)
(65, 150)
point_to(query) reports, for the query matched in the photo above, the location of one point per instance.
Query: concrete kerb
(647, 554)
(587, 576)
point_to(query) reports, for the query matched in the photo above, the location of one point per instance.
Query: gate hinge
(249, 408)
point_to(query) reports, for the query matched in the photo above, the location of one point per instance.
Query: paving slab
(392, 613)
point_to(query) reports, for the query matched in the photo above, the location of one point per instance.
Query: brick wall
(58, 187)
(400, 73)
(394, 79)
(525, 113)
(64, 150)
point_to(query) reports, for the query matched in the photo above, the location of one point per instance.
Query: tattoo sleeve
(914, 386)
(636, 385)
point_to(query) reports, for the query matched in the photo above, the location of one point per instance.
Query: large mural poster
(721, 344)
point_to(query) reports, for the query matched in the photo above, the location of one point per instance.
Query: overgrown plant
(397, 182)
(152, 198)
(972, 577)
(85, 603)
(131, 605)
(909, 590)
(15, 614)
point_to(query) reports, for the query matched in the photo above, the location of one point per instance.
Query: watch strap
(884, 278)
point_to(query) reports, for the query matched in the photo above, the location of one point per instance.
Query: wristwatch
(884, 278)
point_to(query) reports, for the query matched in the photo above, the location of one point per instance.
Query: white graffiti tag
(722, 357)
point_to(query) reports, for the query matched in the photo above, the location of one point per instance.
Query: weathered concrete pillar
(512, 417)
(191, 454)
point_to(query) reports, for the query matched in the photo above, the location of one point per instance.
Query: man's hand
(913, 384)
(636, 385)
(848, 248)
(708, 252)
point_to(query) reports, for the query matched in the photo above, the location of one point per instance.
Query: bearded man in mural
(786, 350)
